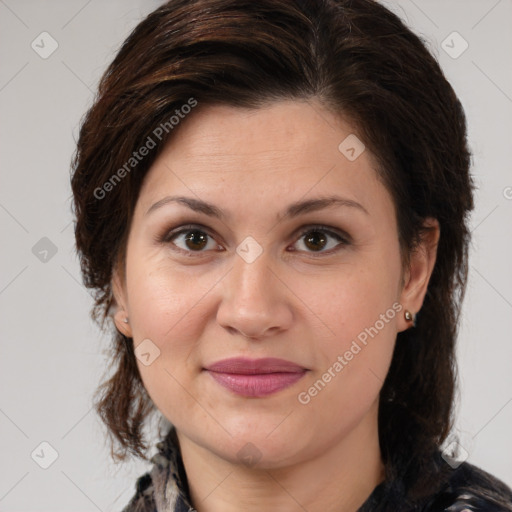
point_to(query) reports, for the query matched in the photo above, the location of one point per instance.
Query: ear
(417, 275)
(120, 305)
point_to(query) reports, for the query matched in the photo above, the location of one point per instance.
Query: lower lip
(256, 385)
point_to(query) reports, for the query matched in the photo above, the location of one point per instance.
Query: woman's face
(284, 245)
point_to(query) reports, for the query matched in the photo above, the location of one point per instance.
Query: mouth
(255, 377)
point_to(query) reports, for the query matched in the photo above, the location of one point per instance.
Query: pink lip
(255, 377)
(245, 366)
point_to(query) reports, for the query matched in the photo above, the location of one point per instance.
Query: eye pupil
(315, 240)
(197, 239)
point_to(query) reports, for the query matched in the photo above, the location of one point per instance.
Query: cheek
(167, 307)
(165, 301)
(351, 298)
(354, 363)
(358, 304)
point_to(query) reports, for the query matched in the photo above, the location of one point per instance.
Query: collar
(171, 492)
(170, 484)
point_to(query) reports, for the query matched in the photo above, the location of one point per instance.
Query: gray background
(52, 355)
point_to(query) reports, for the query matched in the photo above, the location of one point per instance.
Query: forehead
(287, 149)
(285, 129)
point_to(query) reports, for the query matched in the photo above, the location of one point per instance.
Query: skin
(297, 301)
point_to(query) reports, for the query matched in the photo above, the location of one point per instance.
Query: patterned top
(466, 489)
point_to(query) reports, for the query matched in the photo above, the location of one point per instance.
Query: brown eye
(191, 240)
(196, 240)
(318, 239)
(315, 240)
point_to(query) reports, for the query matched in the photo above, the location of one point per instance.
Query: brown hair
(361, 62)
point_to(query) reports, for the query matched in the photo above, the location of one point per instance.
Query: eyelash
(342, 238)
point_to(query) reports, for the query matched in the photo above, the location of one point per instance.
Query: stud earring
(410, 317)
(125, 320)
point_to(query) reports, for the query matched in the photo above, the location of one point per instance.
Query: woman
(271, 203)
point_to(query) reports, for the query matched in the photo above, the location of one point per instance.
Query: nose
(255, 302)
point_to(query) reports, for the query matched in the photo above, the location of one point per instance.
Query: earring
(410, 317)
(125, 320)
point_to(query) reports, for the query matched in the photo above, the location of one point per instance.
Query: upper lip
(242, 365)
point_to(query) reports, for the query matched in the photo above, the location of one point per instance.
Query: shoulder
(143, 500)
(160, 489)
(471, 489)
(465, 488)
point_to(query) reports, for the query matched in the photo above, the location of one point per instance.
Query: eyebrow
(293, 210)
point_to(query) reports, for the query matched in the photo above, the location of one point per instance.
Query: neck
(339, 479)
